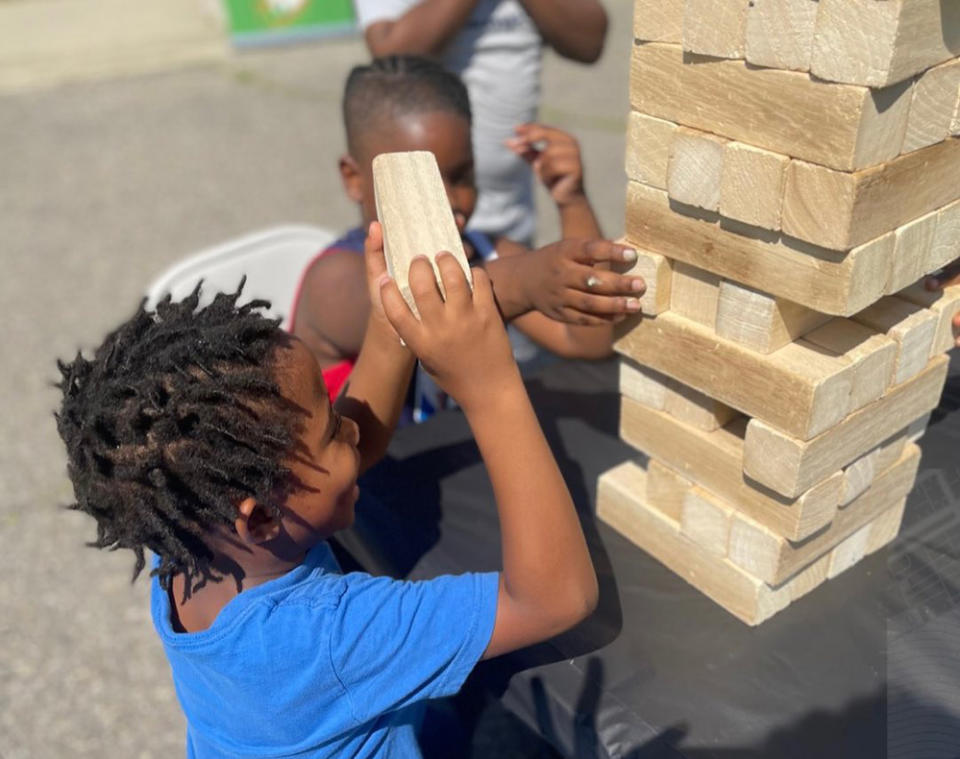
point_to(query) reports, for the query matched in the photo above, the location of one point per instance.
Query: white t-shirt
(497, 54)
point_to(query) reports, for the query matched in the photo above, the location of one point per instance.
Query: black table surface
(868, 665)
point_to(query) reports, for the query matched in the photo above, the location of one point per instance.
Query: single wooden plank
(849, 552)
(666, 489)
(796, 389)
(912, 251)
(657, 273)
(658, 20)
(643, 384)
(751, 185)
(871, 354)
(696, 409)
(694, 294)
(877, 43)
(841, 210)
(695, 169)
(912, 327)
(621, 505)
(945, 304)
(823, 280)
(714, 460)
(933, 106)
(705, 519)
(946, 239)
(648, 149)
(779, 33)
(837, 125)
(415, 214)
(790, 466)
(885, 528)
(760, 321)
(715, 27)
(858, 476)
(773, 558)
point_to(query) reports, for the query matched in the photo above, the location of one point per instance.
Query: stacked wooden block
(794, 172)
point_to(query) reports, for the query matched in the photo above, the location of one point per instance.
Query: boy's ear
(352, 178)
(254, 523)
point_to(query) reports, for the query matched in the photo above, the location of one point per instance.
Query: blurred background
(134, 133)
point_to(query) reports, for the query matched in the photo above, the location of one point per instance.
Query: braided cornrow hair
(177, 419)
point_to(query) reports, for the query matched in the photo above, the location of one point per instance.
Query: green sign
(265, 22)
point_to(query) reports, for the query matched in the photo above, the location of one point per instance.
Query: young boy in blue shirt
(208, 437)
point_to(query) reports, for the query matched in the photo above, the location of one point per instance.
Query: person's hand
(376, 265)
(569, 282)
(555, 158)
(461, 342)
(948, 276)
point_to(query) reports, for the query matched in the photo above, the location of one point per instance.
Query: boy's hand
(947, 277)
(564, 282)
(461, 342)
(555, 158)
(376, 264)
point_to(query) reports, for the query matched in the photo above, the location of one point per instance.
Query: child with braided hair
(208, 437)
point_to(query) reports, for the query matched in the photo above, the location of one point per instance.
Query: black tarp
(868, 665)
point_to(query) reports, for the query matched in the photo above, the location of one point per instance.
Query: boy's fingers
(601, 282)
(584, 319)
(423, 287)
(398, 313)
(603, 305)
(455, 283)
(482, 290)
(373, 252)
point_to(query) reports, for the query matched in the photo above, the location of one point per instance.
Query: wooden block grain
(849, 552)
(779, 33)
(751, 185)
(415, 214)
(643, 385)
(910, 326)
(890, 450)
(880, 42)
(918, 428)
(933, 106)
(858, 476)
(912, 251)
(658, 20)
(823, 280)
(840, 210)
(695, 168)
(648, 149)
(705, 519)
(666, 489)
(872, 356)
(694, 294)
(797, 389)
(760, 321)
(790, 466)
(696, 409)
(945, 304)
(782, 111)
(715, 27)
(714, 460)
(946, 238)
(885, 528)
(773, 558)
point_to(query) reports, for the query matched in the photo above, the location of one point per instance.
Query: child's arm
(373, 396)
(574, 28)
(425, 29)
(548, 583)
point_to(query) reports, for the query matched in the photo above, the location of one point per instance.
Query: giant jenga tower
(794, 171)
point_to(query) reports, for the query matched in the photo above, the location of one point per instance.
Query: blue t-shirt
(321, 664)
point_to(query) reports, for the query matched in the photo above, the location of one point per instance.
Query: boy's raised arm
(548, 583)
(374, 394)
(423, 30)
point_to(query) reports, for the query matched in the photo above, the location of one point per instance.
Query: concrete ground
(103, 184)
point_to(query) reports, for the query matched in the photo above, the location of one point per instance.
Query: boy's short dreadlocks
(176, 420)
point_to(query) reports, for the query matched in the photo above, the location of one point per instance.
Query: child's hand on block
(461, 340)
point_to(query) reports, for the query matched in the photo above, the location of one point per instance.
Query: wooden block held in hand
(715, 27)
(780, 33)
(415, 213)
(782, 111)
(791, 466)
(911, 326)
(648, 149)
(751, 185)
(933, 106)
(694, 294)
(658, 20)
(760, 321)
(880, 42)
(871, 354)
(657, 273)
(695, 169)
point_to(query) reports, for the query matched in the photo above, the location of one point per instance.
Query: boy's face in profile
(325, 461)
(445, 134)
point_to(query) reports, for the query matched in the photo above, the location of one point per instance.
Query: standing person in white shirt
(495, 46)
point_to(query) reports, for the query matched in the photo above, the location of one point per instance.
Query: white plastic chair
(272, 260)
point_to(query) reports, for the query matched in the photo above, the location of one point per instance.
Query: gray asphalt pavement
(102, 186)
